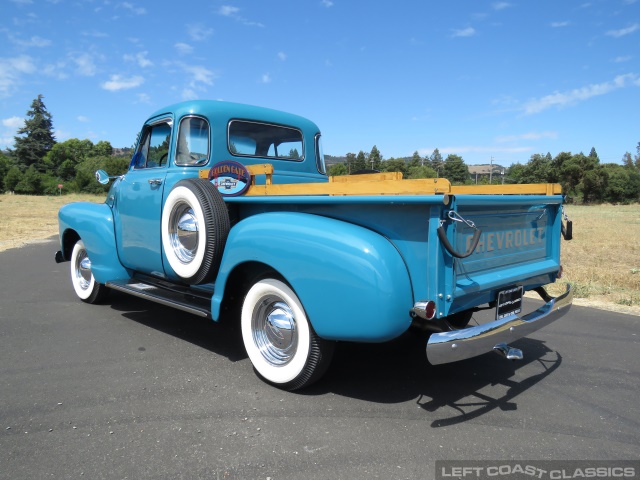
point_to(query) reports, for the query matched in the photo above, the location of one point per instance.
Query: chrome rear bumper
(473, 341)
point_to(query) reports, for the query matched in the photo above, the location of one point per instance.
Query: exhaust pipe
(508, 352)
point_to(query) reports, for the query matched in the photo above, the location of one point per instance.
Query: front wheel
(85, 285)
(281, 343)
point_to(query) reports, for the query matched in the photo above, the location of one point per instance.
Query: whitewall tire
(195, 226)
(279, 340)
(82, 279)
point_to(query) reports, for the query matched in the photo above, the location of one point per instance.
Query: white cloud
(34, 41)
(266, 78)
(577, 95)
(559, 24)
(82, 118)
(55, 70)
(327, 3)
(465, 32)
(622, 59)
(22, 2)
(183, 48)
(11, 127)
(118, 82)
(500, 5)
(11, 72)
(527, 136)
(199, 32)
(624, 31)
(140, 58)
(199, 74)
(228, 10)
(131, 7)
(13, 122)
(189, 94)
(232, 12)
(144, 98)
(85, 65)
(282, 56)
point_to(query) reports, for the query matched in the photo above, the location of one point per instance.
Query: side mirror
(102, 177)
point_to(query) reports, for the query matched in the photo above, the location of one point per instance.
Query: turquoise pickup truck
(227, 205)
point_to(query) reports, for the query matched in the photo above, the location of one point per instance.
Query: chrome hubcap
(183, 232)
(274, 331)
(83, 270)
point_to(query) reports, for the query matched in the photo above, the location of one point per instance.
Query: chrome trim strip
(473, 341)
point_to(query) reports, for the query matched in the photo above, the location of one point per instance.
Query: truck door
(138, 208)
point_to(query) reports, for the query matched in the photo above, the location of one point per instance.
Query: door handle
(155, 181)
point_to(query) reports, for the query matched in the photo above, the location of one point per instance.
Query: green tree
(30, 183)
(338, 169)
(12, 178)
(102, 149)
(394, 165)
(5, 165)
(421, 171)
(623, 184)
(416, 160)
(455, 170)
(351, 160)
(360, 163)
(36, 138)
(375, 159)
(594, 184)
(436, 162)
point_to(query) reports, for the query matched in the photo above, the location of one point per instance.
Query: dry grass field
(602, 261)
(25, 218)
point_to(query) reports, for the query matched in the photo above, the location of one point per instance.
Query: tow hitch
(508, 351)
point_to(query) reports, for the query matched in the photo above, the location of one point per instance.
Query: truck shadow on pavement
(386, 373)
(398, 371)
(222, 338)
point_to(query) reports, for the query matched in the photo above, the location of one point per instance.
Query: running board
(170, 295)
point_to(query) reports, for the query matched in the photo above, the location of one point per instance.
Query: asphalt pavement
(132, 389)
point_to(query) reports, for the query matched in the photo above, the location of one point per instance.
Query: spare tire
(195, 226)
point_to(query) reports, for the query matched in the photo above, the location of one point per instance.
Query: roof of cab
(223, 111)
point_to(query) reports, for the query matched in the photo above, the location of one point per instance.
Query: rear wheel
(281, 343)
(84, 284)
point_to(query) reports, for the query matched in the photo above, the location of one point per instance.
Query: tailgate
(519, 246)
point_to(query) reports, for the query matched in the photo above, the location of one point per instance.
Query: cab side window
(193, 142)
(153, 150)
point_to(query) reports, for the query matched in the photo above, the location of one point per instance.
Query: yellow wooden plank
(368, 177)
(387, 183)
(510, 189)
(423, 186)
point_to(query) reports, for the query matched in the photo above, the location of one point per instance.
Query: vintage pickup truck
(227, 205)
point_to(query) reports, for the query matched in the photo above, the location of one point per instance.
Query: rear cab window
(256, 139)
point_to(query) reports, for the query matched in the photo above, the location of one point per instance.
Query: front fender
(93, 223)
(352, 282)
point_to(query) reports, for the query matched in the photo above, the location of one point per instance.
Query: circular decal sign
(230, 178)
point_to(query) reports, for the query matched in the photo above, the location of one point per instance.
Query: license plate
(509, 302)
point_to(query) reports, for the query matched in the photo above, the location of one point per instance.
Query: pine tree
(375, 159)
(36, 138)
(455, 170)
(436, 161)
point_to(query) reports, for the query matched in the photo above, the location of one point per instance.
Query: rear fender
(352, 282)
(93, 223)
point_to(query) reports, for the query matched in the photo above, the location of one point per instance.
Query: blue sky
(481, 79)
